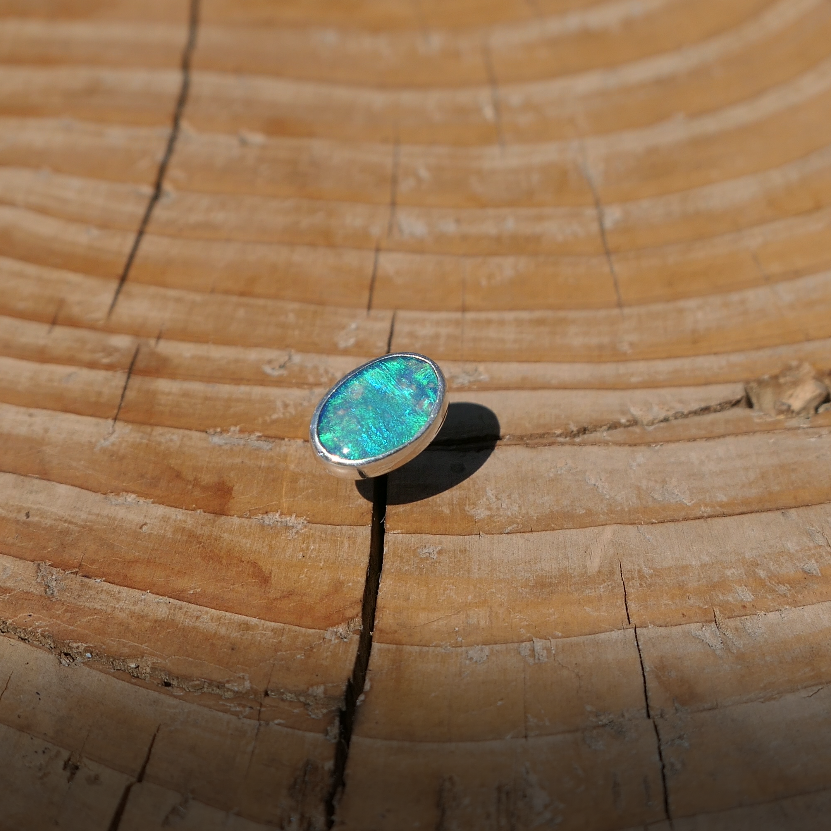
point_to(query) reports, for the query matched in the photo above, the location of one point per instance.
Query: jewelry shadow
(464, 443)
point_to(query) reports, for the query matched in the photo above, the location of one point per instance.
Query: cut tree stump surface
(602, 600)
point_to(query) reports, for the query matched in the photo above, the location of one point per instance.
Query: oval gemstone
(381, 408)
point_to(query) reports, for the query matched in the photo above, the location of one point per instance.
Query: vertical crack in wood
(647, 705)
(187, 56)
(124, 388)
(125, 795)
(660, 745)
(355, 685)
(54, 322)
(601, 223)
(372, 280)
(392, 332)
(254, 741)
(643, 674)
(626, 598)
(6, 687)
(658, 741)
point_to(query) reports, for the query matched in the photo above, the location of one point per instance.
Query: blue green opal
(381, 408)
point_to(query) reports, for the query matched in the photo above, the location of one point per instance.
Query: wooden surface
(602, 602)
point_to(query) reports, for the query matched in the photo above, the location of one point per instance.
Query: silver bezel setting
(384, 463)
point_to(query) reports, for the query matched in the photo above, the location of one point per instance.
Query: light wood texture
(605, 593)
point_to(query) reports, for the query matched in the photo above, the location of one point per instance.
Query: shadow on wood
(463, 445)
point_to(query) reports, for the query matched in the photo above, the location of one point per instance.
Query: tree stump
(601, 600)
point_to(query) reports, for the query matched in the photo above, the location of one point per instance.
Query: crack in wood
(625, 595)
(124, 388)
(187, 56)
(651, 717)
(601, 222)
(392, 333)
(55, 317)
(372, 280)
(357, 681)
(125, 796)
(647, 705)
(6, 686)
(715, 514)
(557, 436)
(660, 747)
(74, 653)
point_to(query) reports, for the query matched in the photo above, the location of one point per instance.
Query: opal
(380, 408)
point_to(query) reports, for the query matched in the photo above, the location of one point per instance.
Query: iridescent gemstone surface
(379, 409)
